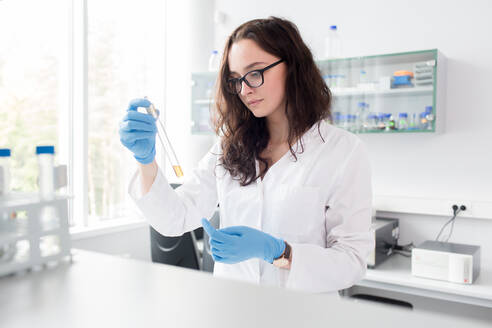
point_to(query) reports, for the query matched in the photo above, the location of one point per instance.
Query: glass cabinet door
(392, 93)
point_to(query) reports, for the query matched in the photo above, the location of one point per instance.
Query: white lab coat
(320, 204)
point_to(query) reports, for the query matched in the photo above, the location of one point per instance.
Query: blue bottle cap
(333, 27)
(215, 52)
(381, 116)
(361, 104)
(423, 114)
(428, 108)
(403, 115)
(45, 150)
(4, 152)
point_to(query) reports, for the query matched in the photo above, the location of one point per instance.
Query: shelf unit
(353, 92)
(33, 232)
(373, 87)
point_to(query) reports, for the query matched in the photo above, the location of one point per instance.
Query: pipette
(166, 144)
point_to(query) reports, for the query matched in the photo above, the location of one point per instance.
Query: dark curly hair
(308, 99)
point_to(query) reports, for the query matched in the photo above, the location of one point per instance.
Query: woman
(294, 191)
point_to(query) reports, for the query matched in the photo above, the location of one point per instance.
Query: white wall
(454, 165)
(132, 243)
(189, 42)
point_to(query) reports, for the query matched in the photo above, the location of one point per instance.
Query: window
(68, 70)
(125, 61)
(33, 79)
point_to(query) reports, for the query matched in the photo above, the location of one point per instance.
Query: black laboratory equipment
(183, 251)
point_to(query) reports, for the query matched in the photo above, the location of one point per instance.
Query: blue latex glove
(137, 132)
(239, 243)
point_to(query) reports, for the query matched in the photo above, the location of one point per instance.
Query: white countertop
(396, 271)
(100, 290)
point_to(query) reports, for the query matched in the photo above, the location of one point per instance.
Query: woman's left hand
(239, 243)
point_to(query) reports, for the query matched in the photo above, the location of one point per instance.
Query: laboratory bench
(99, 290)
(393, 279)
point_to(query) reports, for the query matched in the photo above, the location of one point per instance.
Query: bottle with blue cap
(413, 124)
(4, 171)
(391, 125)
(214, 61)
(429, 116)
(372, 122)
(333, 43)
(362, 116)
(381, 121)
(423, 123)
(46, 156)
(345, 121)
(351, 123)
(403, 121)
(336, 118)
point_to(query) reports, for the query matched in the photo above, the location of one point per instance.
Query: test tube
(166, 144)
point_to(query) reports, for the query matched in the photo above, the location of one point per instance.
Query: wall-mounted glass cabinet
(202, 93)
(389, 93)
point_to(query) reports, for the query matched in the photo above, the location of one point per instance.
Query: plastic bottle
(353, 123)
(413, 122)
(5, 171)
(362, 116)
(363, 78)
(333, 43)
(4, 190)
(403, 121)
(214, 61)
(423, 123)
(385, 123)
(372, 122)
(429, 116)
(381, 121)
(345, 122)
(46, 171)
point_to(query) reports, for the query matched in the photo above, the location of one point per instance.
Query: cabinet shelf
(347, 92)
(203, 101)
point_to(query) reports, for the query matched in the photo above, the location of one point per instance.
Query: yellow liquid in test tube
(178, 171)
(166, 144)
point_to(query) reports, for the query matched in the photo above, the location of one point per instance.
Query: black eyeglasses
(253, 79)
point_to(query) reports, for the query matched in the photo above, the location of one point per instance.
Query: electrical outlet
(468, 205)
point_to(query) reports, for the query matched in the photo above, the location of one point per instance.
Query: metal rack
(34, 233)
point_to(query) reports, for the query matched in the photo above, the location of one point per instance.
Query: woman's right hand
(137, 132)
